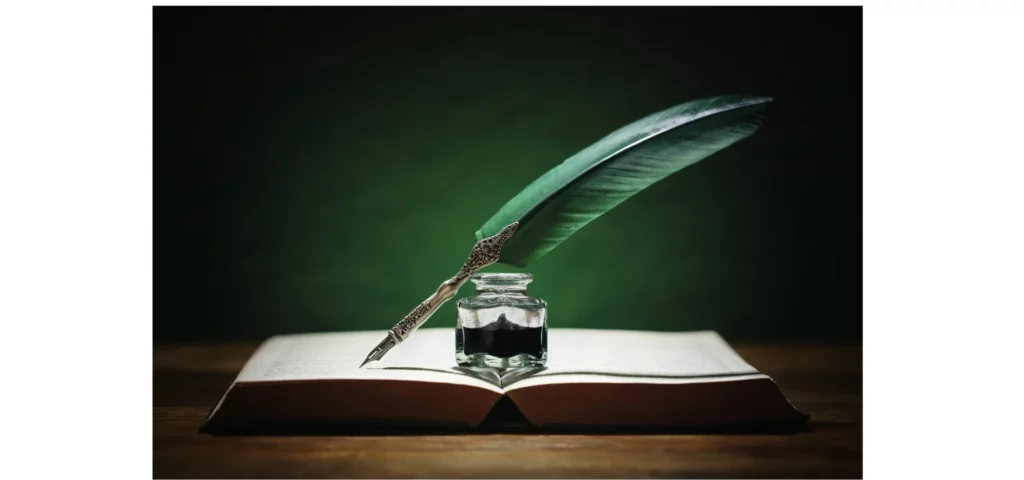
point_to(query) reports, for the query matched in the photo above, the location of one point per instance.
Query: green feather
(605, 174)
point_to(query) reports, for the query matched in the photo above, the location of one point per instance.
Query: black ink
(504, 339)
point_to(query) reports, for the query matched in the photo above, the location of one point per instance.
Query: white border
(943, 239)
(76, 239)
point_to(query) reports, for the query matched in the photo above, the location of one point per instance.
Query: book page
(585, 355)
(427, 356)
(575, 355)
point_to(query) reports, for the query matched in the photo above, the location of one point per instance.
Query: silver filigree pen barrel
(484, 253)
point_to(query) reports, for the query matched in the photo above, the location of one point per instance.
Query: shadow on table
(505, 418)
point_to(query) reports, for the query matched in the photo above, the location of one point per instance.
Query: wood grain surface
(824, 381)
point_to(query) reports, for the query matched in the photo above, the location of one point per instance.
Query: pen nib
(380, 350)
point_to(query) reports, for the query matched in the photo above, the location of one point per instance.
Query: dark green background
(325, 169)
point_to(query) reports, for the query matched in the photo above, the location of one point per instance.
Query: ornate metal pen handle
(484, 253)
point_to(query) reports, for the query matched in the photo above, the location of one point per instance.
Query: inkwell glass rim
(500, 281)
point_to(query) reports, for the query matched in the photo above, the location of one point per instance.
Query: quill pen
(589, 184)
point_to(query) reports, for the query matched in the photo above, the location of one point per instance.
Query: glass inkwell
(501, 326)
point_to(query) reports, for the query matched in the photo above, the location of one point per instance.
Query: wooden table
(822, 380)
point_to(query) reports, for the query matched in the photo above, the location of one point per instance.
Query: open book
(603, 378)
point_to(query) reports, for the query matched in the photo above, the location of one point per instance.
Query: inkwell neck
(501, 283)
